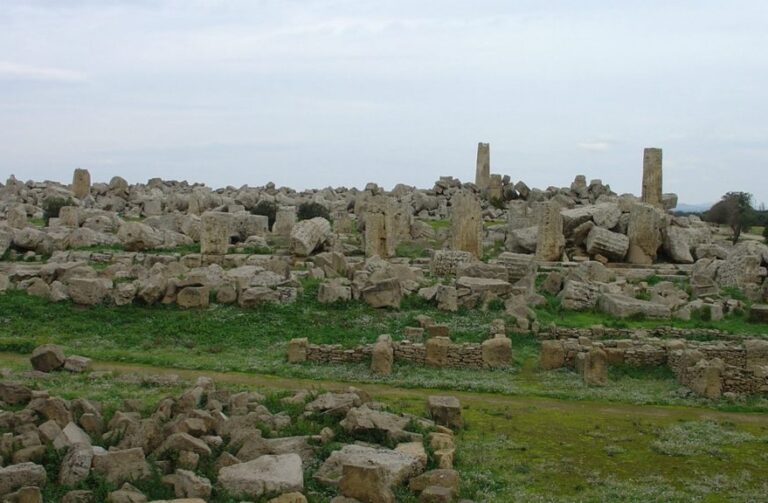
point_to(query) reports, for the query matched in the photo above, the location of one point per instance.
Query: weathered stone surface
(446, 262)
(447, 298)
(466, 224)
(81, 183)
(609, 244)
(293, 497)
(578, 295)
(644, 233)
(367, 483)
(481, 285)
(398, 466)
(523, 240)
(551, 241)
(333, 291)
(652, 176)
(19, 475)
(483, 167)
(88, 291)
(79, 496)
(137, 236)
(121, 466)
(445, 411)
(193, 297)
(383, 293)
(297, 350)
(705, 378)
(76, 465)
(309, 235)
(622, 306)
(382, 356)
(47, 358)
(264, 476)
(442, 478)
(13, 393)
(497, 351)
(285, 219)
(758, 313)
(216, 232)
(437, 351)
(594, 369)
(552, 355)
(186, 484)
(380, 233)
(365, 420)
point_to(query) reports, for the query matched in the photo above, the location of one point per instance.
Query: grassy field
(227, 338)
(520, 448)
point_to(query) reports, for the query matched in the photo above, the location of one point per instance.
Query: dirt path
(473, 399)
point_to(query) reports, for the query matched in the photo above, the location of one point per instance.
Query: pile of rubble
(210, 441)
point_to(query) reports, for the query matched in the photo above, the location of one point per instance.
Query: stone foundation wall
(597, 333)
(457, 356)
(708, 368)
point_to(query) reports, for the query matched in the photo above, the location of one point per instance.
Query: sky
(318, 93)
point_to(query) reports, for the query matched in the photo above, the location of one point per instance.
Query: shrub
(268, 209)
(498, 203)
(307, 211)
(53, 205)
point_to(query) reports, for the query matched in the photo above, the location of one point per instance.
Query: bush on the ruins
(498, 203)
(267, 209)
(308, 211)
(735, 210)
(53, 205)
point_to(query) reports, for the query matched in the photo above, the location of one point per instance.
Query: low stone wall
(600, 332)
(708, 368)
(438, 352)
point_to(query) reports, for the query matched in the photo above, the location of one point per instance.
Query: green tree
(734, 210)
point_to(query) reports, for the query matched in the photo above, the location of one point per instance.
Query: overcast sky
(320, 93)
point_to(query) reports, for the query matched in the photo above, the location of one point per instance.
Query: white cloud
(596, 146)
(10, 70)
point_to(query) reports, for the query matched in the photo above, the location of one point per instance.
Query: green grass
(411, 249)
(228, 338)
(439, 224)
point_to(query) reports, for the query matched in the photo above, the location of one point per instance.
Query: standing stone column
(81, 183)
(495, 187)
(215, 232)
(644, 231)
(652, 177)
(380, 234)
(483, 170)
(285, 219)
(550, 241)
(466, 224)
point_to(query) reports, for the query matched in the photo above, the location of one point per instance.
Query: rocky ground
(484, 287)
(209, 444)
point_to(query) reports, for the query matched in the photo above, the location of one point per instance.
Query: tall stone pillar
(380, 233)
(652, 177)
(466, 224)
(483, 171)
(550, 241)
(81, 183)
(495, 187)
